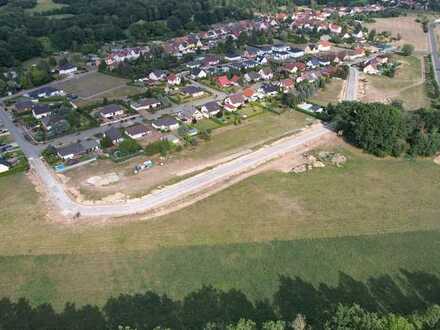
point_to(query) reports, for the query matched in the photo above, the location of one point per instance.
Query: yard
(365, 219)
(407, 85)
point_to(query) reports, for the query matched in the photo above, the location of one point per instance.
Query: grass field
(92, 84)
(45, 5)
(409, 30)
(372, 217)
(330, 94)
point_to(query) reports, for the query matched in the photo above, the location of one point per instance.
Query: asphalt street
(433, 45)
(352, 83)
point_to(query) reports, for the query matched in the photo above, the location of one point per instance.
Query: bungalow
(266, 74)
(137, 131)
(90, 145)
(192, 91)
(190, 113)
(223, 81)
(198, 74)
(249, 94)
(145, 104)
(210, 109)
(235, 101)
(4, 165)
(70, 151)
(174, 80)
(252, 77)
(166, 124)
(324, 46)
(23, 106)
(371, 68)
(114, 135)
(280, 48)
(67, 69)
(268, 90)
(41, 110)
(45, 92)
(313, 63)
(157, 75)
(110, 111)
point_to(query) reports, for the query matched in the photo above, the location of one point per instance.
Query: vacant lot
(407, 85)
(224, 142)
(409, 30)
(371, 217)
(91, 85)
(330, 94)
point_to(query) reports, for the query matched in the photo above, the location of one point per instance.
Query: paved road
(352, 84)
(433, 45)
(161, 197)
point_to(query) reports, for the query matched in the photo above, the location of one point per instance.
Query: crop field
(371, 217)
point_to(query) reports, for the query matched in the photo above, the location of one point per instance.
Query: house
(4, 165)
(55, 122)
(311, 49)
(324, 45)
(232, 57)
(280, 48)
(310, 107)
(174, 79)
(45, 92)
(166, 124)
(266, 74)
(324, 61)
(110, 111)
(137, 131)
(70, 151)
(67, 69)
(198, 74)
(250, 52)
(114, 135)
(23, 106)
(249, 94)
(334, 28)
(190, 113)
(268, 90)
(371, 68)
(210, 60)
(157, 75)
(192, 91)
(171, 138)
(296, 52)
(41, 110)
(90, 145)
(145, 104)
(223, 81)
(280, 56)
(210, 109)
(286, 85)
(251, 77)
(235, 101)
(313, 63)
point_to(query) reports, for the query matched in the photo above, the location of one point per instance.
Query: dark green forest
(379, 303)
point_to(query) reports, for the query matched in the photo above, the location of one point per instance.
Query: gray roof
(90, 144)
(110, 108)
(191, 90)
(212, 106)
(40, 109)
(136, 129)
(74, 148)
(113, 133)
(165, 121)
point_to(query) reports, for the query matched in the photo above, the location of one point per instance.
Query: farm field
(409, 30)
(365, 219)
(330, 94)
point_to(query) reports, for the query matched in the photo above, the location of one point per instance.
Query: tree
(129, 146)
(299, 323)
(243, 324)
(407, 49)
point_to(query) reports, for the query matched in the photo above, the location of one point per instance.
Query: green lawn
(329, 94)
(369, 218)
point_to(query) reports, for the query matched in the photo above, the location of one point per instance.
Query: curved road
(166, 195)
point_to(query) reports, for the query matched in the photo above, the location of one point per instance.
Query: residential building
(210, 109)
(41, 110)
(114, 134)
(110, 111)
(235, 101)
(67, 69)
(45, 92)
(166, 124)
(190, 113)
(174, 79)
(136, 131)
(266, 74)
(145, 104)
(193, 91)
(4, 165)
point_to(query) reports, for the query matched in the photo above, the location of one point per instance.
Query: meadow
(371, 217)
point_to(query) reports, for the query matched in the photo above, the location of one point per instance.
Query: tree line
(379, 303)
(387, 129)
